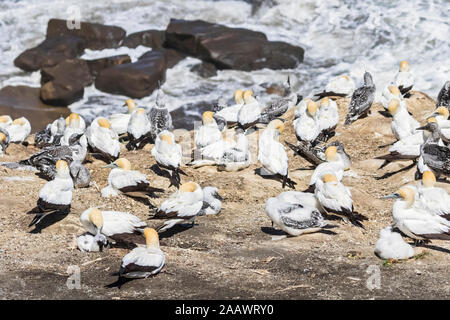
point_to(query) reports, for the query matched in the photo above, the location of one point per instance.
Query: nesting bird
(391, 245)
(139, 130)
(131, 183)
(52, 134)
(250, 112)
(208, 132)
(142, 262)
(432, 198)
(181, 207)
(55, 197)
(342, 86)
(19, 130)
(230, 113)
(237, 157)
(403, 124)
(103, 140)
(119, 121)
(212, 201)
(328, 118)
(389, 93)
(404, 79)
(307, 125)
(280, 106)
(5, 121)
(362, 99)
(168, 155)
(272, 154)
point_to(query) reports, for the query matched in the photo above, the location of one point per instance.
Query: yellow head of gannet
(188, 187)
(4, 119)
(62, 167)
(96, 217)
(151, 238)
(276, 124)
(104, 123)
(207, 117)
(2, 137)
(328, 177)
(312, 107)
(393, 106)
(428, 179)
(331, 153)
(442, 111)
(407, 194)
(325, 102)
(166, 137)
(131, 105)
(238, 96)
(247, 95)
(73, 120)
(345, 77)
(123, 163)
(394, 90)
(19, 121)
(404, 66)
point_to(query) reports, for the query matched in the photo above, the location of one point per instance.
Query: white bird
(305, 198)
(119, 121)
(294, 218)
(335, 198)
(139, 130)
(230, 113)
(103, 140)
(5, 121)
(391, 245)
(391, 92)
(328, 117)
(417, 223)
(113, 226)
(142, 262)
(212, 201)
(76, 122)
(250, 112)
(19, 130)
(307, 126)
(168, 155)
(342, 86)
(441, 114)
(404, 79)
(55, 196)
(208, 132)
(181, 207)
(132, 183)
(237, 157)
(432, 198)
(272, 154)
(75, 125)
(336, 161)
(86, 242)
(403, 124)
(301, 107)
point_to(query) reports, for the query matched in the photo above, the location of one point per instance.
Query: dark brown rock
(172, 57)
(205, 69)
(230, 48)
(97, 65)
(18, 101)
(148, 38)
(97, 36)
(50, 52)
(64, 83)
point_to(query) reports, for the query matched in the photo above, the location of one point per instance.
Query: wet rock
(64, 83)
(97, 36)
(205, 69)
(148, 38)
(97, 65)
(18, 101)
(230, 48)
(50, 52)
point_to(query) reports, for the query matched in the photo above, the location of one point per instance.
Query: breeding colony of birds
(420, 212)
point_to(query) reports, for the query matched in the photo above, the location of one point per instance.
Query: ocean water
(339, 37)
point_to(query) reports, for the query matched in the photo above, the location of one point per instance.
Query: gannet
(5, 121)
(342, 86)
(75, 121)
(141, 262)
(417, 223)
(168, 155)
(280, 106)
(404, 79)
(301, 107)
(361, 101)
(221, 122)
(231, 113)
(212, 201)
(86, 242)
(307, 126)
(441, 115)
(250, 112)
(139, 130)
(443, 98)
(328, 117)
(294, 218)
(298, 197)
(52, 134)
(213, 153)
(181, 207)
(403, 124)
(159, 116)
(80, 174)
(337, 161)
(389, 93)
(432, 198)
(75, 127)
(272, 154)
(119, 121)
(103, 140)
(4, 141)
(391, 245)
(434, 156)
(237, 157)
(115, 227)
(132, 183)
(208, 132)
(336, 198)
(19, 130)
(56, 195)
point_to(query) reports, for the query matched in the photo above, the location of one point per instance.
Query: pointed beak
(422, 128)
(219, 197)
(391, 196)
(111, 165)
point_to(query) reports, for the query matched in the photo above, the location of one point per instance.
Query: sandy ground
(231, 255)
